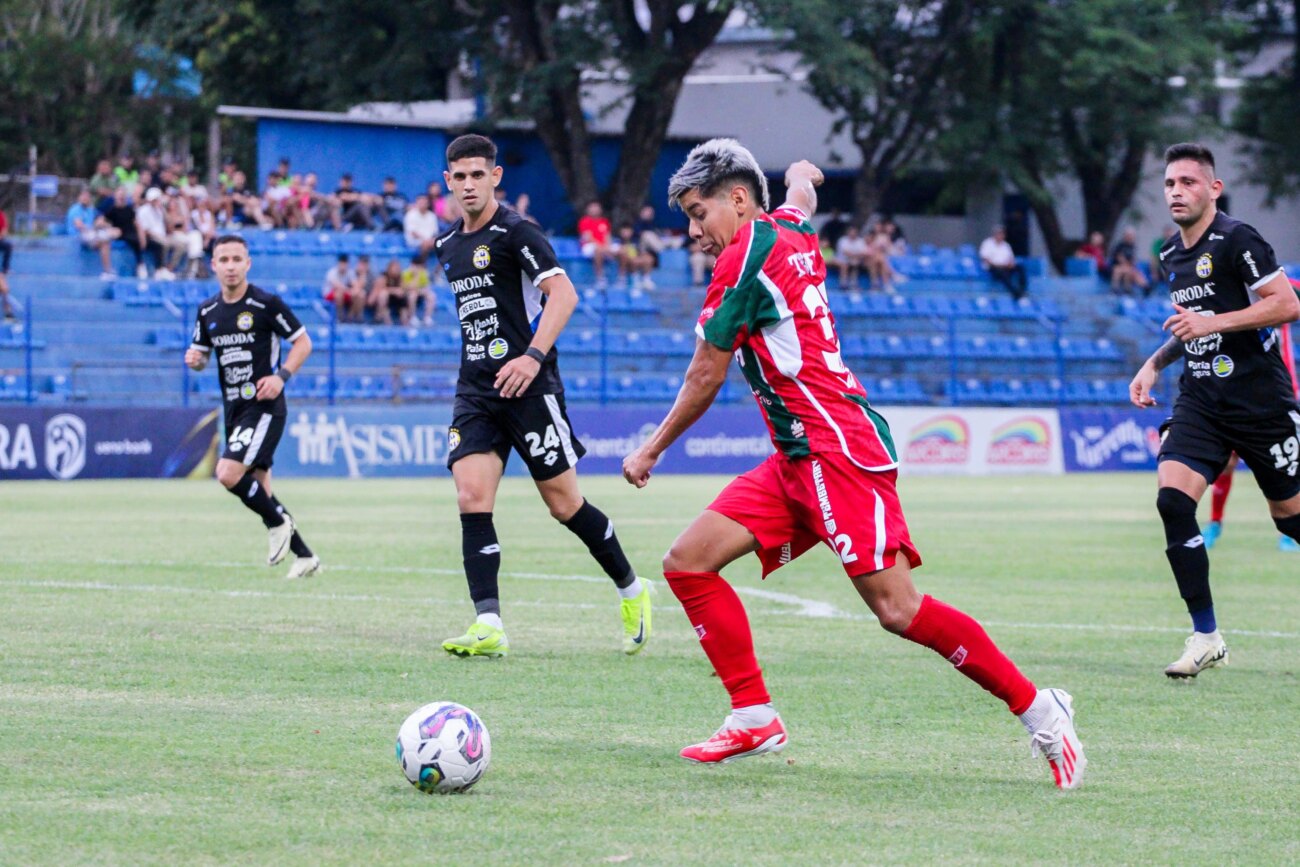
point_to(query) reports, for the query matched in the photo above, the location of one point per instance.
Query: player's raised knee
(230, 472)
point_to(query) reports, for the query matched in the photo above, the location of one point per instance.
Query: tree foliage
(885, 70)
(1270, 101)
(534, 57)
(1086, 90)
(67, 68)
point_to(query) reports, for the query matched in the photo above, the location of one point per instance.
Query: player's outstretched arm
(704, 377)
(1139, 390)
(801, 181)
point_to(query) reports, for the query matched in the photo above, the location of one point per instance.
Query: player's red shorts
(791, 504)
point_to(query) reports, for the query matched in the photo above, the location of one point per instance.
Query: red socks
(1219, 493)
(719, 619)
(962, 641)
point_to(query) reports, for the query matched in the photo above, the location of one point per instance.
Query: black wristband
(535, 354)
(285, 375)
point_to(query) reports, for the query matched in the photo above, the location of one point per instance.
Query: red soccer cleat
(730, 743)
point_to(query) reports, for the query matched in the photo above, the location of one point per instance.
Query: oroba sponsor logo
(233, 339)
(328, 439)
(65, 445)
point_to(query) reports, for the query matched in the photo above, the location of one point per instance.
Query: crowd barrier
(366, 442)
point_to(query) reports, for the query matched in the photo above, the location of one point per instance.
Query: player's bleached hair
(717, 164)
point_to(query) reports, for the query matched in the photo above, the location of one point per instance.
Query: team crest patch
(1204, 266)
(482, 257)
(497, 348)
(453, 439)
(248, 391)
(245, 321)
(1223, 365)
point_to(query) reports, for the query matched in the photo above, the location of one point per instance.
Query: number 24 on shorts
(544, 443)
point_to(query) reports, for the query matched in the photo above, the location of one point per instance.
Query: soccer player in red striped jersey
(832, 478)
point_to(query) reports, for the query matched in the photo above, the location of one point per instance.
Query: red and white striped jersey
(767, 304)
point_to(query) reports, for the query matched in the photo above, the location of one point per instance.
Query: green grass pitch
(167, 699)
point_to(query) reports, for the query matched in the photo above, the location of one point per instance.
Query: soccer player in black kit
(500, 267)
(1229, 297)
(245, 326)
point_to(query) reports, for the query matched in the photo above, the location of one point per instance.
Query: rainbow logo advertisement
(942, 440)
(1024, 441)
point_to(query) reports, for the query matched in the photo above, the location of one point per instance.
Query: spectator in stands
(1000, 260)
(701, 264)
(242, 205)
(1095, 249)
(354, 205)
(156, 235)
(227, 174)
(127, 176)
(1125, 276)
(522, 205)
(86, 223)
(314, 207)
(6, 253)
(337, 289)
(897, 239)
(420, 227)
(101, 185)
(444, 207)
(880, 246)
(634, 264)
(851, 251)
(277, 201)
(833, 229)
(648, 237)
(392, 207)
(201, 231)
(152, 163)
(121, 216)
(416, 285)
(386, 293)
(359, 293)
(596, 238)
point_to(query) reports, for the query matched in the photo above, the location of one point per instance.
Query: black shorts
(252, 434)
(1270, 446)
(536, 427)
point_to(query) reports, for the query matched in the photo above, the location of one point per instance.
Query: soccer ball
(443, 747)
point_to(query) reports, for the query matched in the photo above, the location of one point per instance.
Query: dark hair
(468, 146)
(343, 257)
(419, 258)
(229, 239)
(1190, 150)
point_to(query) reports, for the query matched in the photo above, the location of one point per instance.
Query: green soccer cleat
(636, 620)
(479, 640)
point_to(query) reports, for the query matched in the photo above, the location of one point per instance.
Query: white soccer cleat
(278, 538)
(1202, 650)
(304, 567)
(1056, 740)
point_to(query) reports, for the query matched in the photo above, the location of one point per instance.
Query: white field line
(802, 607)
